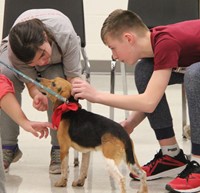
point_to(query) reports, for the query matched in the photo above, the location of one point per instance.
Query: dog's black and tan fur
(85, 132)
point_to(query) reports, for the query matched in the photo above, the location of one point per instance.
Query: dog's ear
(65, 90)
(66, 93)
(59, 89)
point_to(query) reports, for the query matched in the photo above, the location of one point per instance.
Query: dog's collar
(56, 117)
(72, 99)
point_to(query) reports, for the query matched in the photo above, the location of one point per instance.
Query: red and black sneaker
(163, 166)
(188, 181)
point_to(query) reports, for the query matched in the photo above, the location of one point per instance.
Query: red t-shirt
(6, 86)
(176, 45)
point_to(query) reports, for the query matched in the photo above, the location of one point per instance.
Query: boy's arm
(144, 102)
(134, 119)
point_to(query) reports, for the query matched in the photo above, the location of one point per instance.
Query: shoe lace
(55, 156)
(190, 168)
(156, 158)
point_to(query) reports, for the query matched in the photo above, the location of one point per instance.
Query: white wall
(95, 13)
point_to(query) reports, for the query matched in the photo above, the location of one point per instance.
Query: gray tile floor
(30, 173)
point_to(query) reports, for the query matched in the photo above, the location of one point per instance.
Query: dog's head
(58, 85)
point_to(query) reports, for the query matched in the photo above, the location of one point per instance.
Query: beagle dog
(85, 132)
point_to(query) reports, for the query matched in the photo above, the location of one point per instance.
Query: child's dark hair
(26, 37)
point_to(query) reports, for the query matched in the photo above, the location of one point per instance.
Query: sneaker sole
(58, 171)
(18, 156)
(169, 173)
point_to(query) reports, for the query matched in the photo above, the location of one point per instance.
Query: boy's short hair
(120, 21)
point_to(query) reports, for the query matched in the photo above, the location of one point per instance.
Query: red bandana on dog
(56, 117)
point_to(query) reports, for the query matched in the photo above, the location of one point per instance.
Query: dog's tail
(129, 150)
(132, 161)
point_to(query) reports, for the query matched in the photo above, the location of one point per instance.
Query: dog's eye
(53, 84)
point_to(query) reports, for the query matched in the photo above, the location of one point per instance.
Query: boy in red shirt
(8, 102)
(160, 51)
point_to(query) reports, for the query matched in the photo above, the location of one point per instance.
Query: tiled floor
(30, 173)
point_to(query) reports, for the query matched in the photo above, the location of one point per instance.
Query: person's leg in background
(170, 160)
(9, 129)
(2, 174)
(52, 71)
(189, 179)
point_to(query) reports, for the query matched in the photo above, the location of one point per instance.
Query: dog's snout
(38, 79)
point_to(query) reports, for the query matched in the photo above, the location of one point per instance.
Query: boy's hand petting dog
(128, 127)
(83, 90)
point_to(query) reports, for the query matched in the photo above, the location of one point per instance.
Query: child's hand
(40, 102)
(83, 90)
(38, 129)
(127, 126)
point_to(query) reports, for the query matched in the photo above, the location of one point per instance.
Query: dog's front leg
(62, 182)
(65, 144)
(83, 171)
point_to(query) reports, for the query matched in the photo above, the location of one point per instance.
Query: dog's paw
(78, 183)
(61, 183)
(187, 132)
(143, 191)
